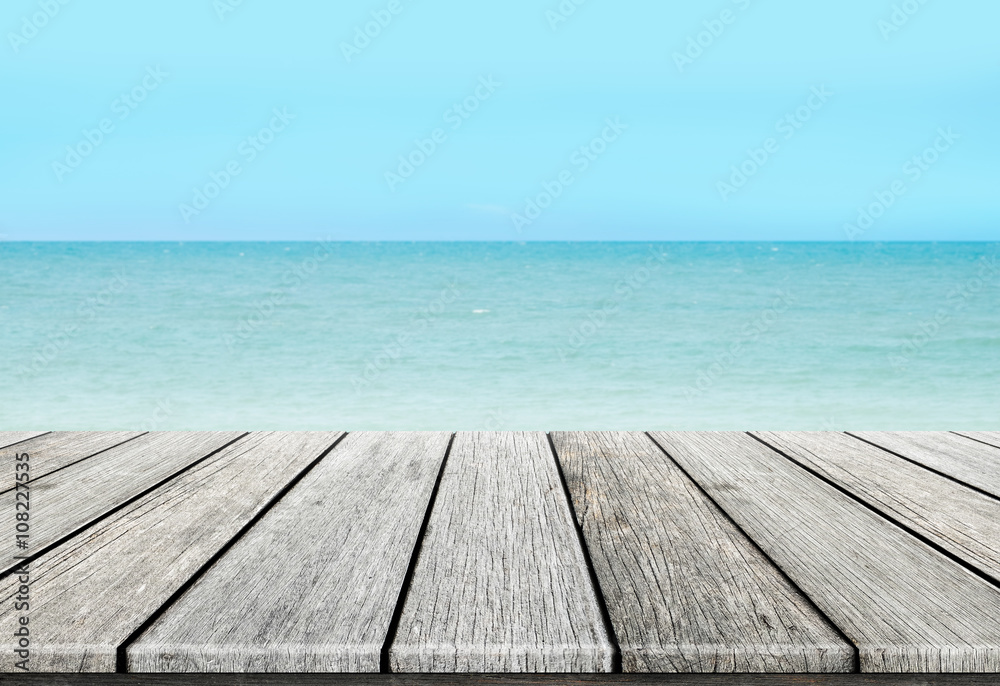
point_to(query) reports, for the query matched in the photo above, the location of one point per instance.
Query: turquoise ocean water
(499, 336)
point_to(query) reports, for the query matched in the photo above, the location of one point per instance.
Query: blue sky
(686, 118)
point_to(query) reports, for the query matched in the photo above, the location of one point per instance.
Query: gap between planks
(926, 540)
(6, 570)
(856, 662)
(609, 627)
(385, 666)
(122, 652)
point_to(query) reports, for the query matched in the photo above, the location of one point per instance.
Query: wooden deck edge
(497, 679)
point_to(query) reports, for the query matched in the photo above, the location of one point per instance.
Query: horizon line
(505, 242)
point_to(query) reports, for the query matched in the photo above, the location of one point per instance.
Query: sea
(499, 336)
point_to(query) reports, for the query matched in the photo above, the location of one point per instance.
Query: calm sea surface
(499, 336)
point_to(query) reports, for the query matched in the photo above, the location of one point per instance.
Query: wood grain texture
(501, 584)
(957, 456)
(991, 437)
(91, 593)
(313, 585)
(906, 607)
(53, 451)
(73, 497)
(962, 521)
(685, 589)
(500, 680)
(9, 438)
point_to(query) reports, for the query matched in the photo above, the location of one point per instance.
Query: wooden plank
(90, 594)
(74, 497)
(962, 521)
(685, 589)
(907, 607)
(390, 679)
(501, 584)
(956, 456)
(991, 437)
(313, 586)
(58, 449)
(9, 438)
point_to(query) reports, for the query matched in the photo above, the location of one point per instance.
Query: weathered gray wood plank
(964, 522)
(991, 437)
(53, 451)
(501, 584)
(311, 587)
(91, 593)
(9, 438)
(907, 607)
(501, 680)
(957, 456)
(73, 497)
(685, 589)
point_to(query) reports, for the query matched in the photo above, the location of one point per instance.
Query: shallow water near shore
(315, 335)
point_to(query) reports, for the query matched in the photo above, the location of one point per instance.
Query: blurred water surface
(314, 335)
